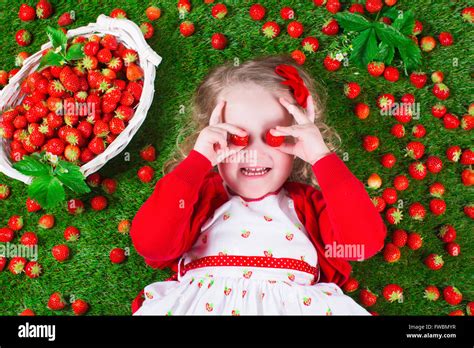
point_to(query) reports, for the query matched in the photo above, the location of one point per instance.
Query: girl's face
(258, 168)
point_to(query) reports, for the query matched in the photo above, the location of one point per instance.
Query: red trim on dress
(253, 199)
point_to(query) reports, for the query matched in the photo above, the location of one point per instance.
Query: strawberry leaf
(47, 190)
(385, 53)
(364, 48)
(410, 55)
(405, 22)
(70, 175)
(390, 35)
(75, 52)
(51, 59)
(58, 38)
(31, 165)
(352, 22)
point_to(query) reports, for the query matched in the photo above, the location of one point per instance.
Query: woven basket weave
(131, 36)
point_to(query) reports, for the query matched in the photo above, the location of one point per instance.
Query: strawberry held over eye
(239, 141)
(274, 140)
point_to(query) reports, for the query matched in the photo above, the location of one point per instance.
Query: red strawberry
(371, 143)
(438, 110)
(391, 253)
(80, 307)
(350, 285)
(468, 14)
(467, 157)
(148, 153)
(15, 222)
(398, 130)
(274, 140)
(470, 308)
(388, 160)
(418, 79)
(44, 9)
(441, 91)
(385, 101)
(17, 265)
(145, 174)
(32, 205)
(453, 249)
(427, 43)
(362, 110)
(469, 211)
(4, 191)
(109, 41)
(147, 30)
(467, 177)
(389, 195)
(109, 185)
(333, 6)
(417, 170)
(331, 27)
(96, 145)
(46, 221)
(467, 122)
(452, 295)
(391, 74)
(373, 6)
(445, 39)
(399, 238)
(456, 312)
(218, 41)
(415, 149)
(124, 226)
(393, 215)
(3, 263)
(60, 252)
(153, 13)
(417, 28)
(6, 235)
(417, 211)
(451, 121)
(447, 233)
(295, 29)
(434, 164)
(408, 99)
(66, 19)
(379, 203)
(70, 80)
(434, 262)
(393, 292)
(219, 11)
(117, 255)
(75, 206)
(287, 13)
(331, 64)
(26, 13)
(56, 302)
(184, 7)
(71, 234)
(437, 189)
(98, 203)
(33, 269)
(453, 153)
(310, 44)
(116, 125)
(414, 241)
(375, 68)
(23, 37)
(356, 8)
(257, 12)
(29, 239)
(437, 206)
(134, 72)
(400, 182)
(437, 76)
(271, 30)
(118, 13)
(351, 90)
(367, 297)
(186, 28)
(419, 131)
(431, 293)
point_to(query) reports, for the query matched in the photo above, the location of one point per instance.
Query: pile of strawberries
(76, 111)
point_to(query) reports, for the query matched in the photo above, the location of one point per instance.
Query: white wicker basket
(131, 36)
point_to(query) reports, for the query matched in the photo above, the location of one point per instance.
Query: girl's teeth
(254, 171)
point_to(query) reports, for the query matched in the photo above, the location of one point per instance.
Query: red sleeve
(347, 215)
(162, 228)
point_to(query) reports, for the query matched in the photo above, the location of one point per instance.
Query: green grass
(110, 288)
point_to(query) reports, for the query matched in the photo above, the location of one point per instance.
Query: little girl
(244, 239)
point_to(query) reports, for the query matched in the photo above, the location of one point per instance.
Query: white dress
(267, 227)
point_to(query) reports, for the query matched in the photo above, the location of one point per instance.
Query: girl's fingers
(310, 108)
(291, 130)
(231, 129)
(287, 148)
(299, 116)
(216, 114)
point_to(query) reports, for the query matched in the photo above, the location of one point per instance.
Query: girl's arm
(346, 215)
(163, 230)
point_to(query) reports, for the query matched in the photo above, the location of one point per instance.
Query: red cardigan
(169, 222)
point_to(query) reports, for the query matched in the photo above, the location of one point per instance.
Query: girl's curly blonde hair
(260, 71)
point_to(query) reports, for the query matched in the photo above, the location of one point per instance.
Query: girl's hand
(212, 141)
(309, 145)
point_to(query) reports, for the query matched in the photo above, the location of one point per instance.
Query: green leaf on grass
(75, 52)
(31, 165)
(58, 38)
(385, 53)
(364, 48)
(411, 55)
(70, 175)
(352, 22)
(47, 191)
(405, 22)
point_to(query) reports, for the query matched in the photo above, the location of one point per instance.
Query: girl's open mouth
(255, 171)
